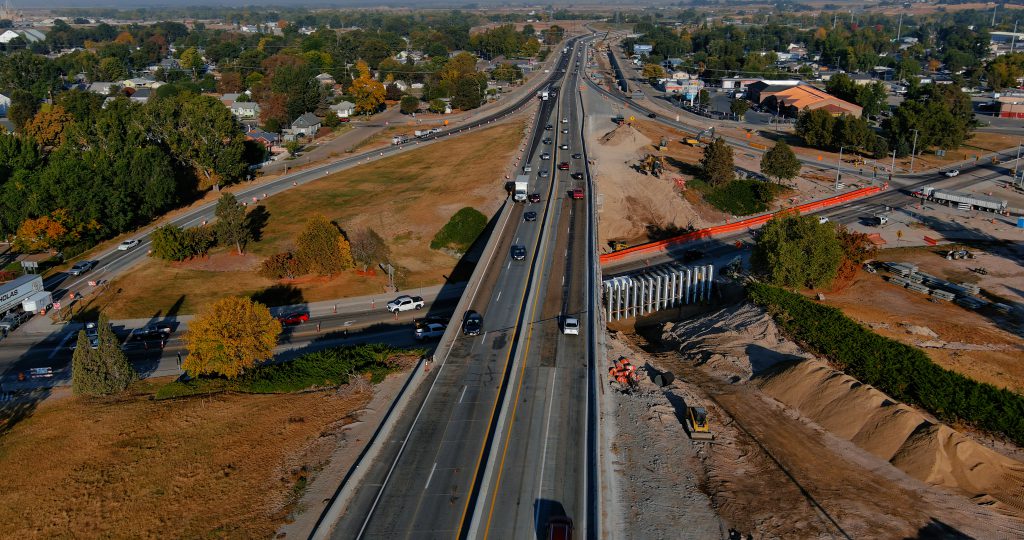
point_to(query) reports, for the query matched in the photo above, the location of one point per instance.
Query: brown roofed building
(790, 100)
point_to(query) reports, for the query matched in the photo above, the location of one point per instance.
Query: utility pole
(892, 168)
(1016, 162)
(1013, 40)
(913, 152)
(899, 29)
(994, 15)
(839, 167)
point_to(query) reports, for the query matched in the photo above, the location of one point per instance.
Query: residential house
(861, 78)
(304, 126)
(791, 100)
(245, 110)
(141, 95)
(5, 103)
(344, 109)
(29, 35)
(266, 138)
(326, 79)
(230, 98)
(402, 85)
(140, 82)
(103, 88)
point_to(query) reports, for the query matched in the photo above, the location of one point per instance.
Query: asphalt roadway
(423, 484)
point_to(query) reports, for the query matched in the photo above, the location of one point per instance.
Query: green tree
(104, 370)
(231, 225)
(202, 134)
(437, 106)
(467, 94)
(797, 251)
(816, 128)
(409, 104)
(704, 98)
(23, 108)
(321, 248)
(739, 107)
(232, 335)
(780, 162)
(716, 167)
(191, 60)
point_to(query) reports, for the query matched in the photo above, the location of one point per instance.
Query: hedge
(329, 367)
(902, 371)
(461, 230)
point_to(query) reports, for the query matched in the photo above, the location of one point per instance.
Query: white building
(5, 102)
(244, 110)
(344, 109)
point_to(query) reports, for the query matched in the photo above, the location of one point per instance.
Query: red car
(577, 193)
(563, 166)
(298, 317)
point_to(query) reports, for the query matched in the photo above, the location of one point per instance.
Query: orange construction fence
(749, 223)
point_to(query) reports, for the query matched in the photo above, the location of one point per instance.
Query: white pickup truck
(405, 303)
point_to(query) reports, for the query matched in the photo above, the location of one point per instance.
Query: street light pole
(913, 152)
(892, 168)
(1016, 162)
(839, 167)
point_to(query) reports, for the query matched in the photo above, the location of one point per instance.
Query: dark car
(577, 156)
(472, 323)
(155, 331)
(560, 528)
(691, 255)
(81, 267)
(547, 140)
(577, 176)
(518, 253)
(549, 127)
(297, 317)
(651, 115)
(534, 197)
(530, 216)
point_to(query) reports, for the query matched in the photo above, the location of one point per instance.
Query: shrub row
(329, 367)
(902, 371)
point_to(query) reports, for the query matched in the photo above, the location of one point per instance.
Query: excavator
(697, 424)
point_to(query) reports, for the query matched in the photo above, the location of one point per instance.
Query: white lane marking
(517, 240)
(430, 476)
(509, 265)
(60, 347)
(563, 279)
(497, 298)
(483, 338)
(544, 450)
(463, 394)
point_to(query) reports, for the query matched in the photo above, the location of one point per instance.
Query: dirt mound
(624, 133)
(744, 341)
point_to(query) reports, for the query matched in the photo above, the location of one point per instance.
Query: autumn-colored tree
(322, 249)
(281, 265)
(230, 81)
(124, 38)
(46, 232)
(232, 335)
(274, 108)
(653, 72)
(49, 126)
(191, 60)
(368, 93)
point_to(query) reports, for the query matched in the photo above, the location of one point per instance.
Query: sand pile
(624, 133)
(745, 341)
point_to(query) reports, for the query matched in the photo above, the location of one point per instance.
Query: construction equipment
(697, 424)
(623, 375)
(662, 144)
(617, 245)
(653, 165)
(691, 141)
(957, 254)
(707, 135)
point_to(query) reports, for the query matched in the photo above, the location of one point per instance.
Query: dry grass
(405, 198)
(227, 466)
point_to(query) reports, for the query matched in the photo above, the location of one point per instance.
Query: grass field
(405, 198)
(230, 465)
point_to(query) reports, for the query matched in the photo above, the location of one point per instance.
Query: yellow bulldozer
(697, 424)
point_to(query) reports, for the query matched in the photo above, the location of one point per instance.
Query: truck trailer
(966, 201)
(522, 185)
(14, 292)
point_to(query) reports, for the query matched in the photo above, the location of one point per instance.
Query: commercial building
(790, 99)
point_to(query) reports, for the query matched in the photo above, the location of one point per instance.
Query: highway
(425, 482)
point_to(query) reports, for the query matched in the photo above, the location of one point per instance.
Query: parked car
(127, 244)
(571, 326)
(297, 317)
(530, 216)
(405, 303)
(534, 197)
(81, 267)
(518, 253)
(472, 323)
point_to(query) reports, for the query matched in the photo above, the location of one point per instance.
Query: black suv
(472, 323)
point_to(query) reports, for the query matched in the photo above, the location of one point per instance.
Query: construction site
(723, 427)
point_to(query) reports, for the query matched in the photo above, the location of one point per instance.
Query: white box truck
(14, 292)
(522, 185)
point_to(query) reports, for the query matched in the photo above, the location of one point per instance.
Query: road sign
(631, 118)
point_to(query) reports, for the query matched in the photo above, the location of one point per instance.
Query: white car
(565, 120)
(571, 326)
(952, 173)
(545, 155)
(822, 219)
(405, 303)
(127, 244)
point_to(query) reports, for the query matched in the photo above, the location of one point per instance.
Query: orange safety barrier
(749, 223)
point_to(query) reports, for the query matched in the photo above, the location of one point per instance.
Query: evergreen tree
(716, 167)
(104, 370)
